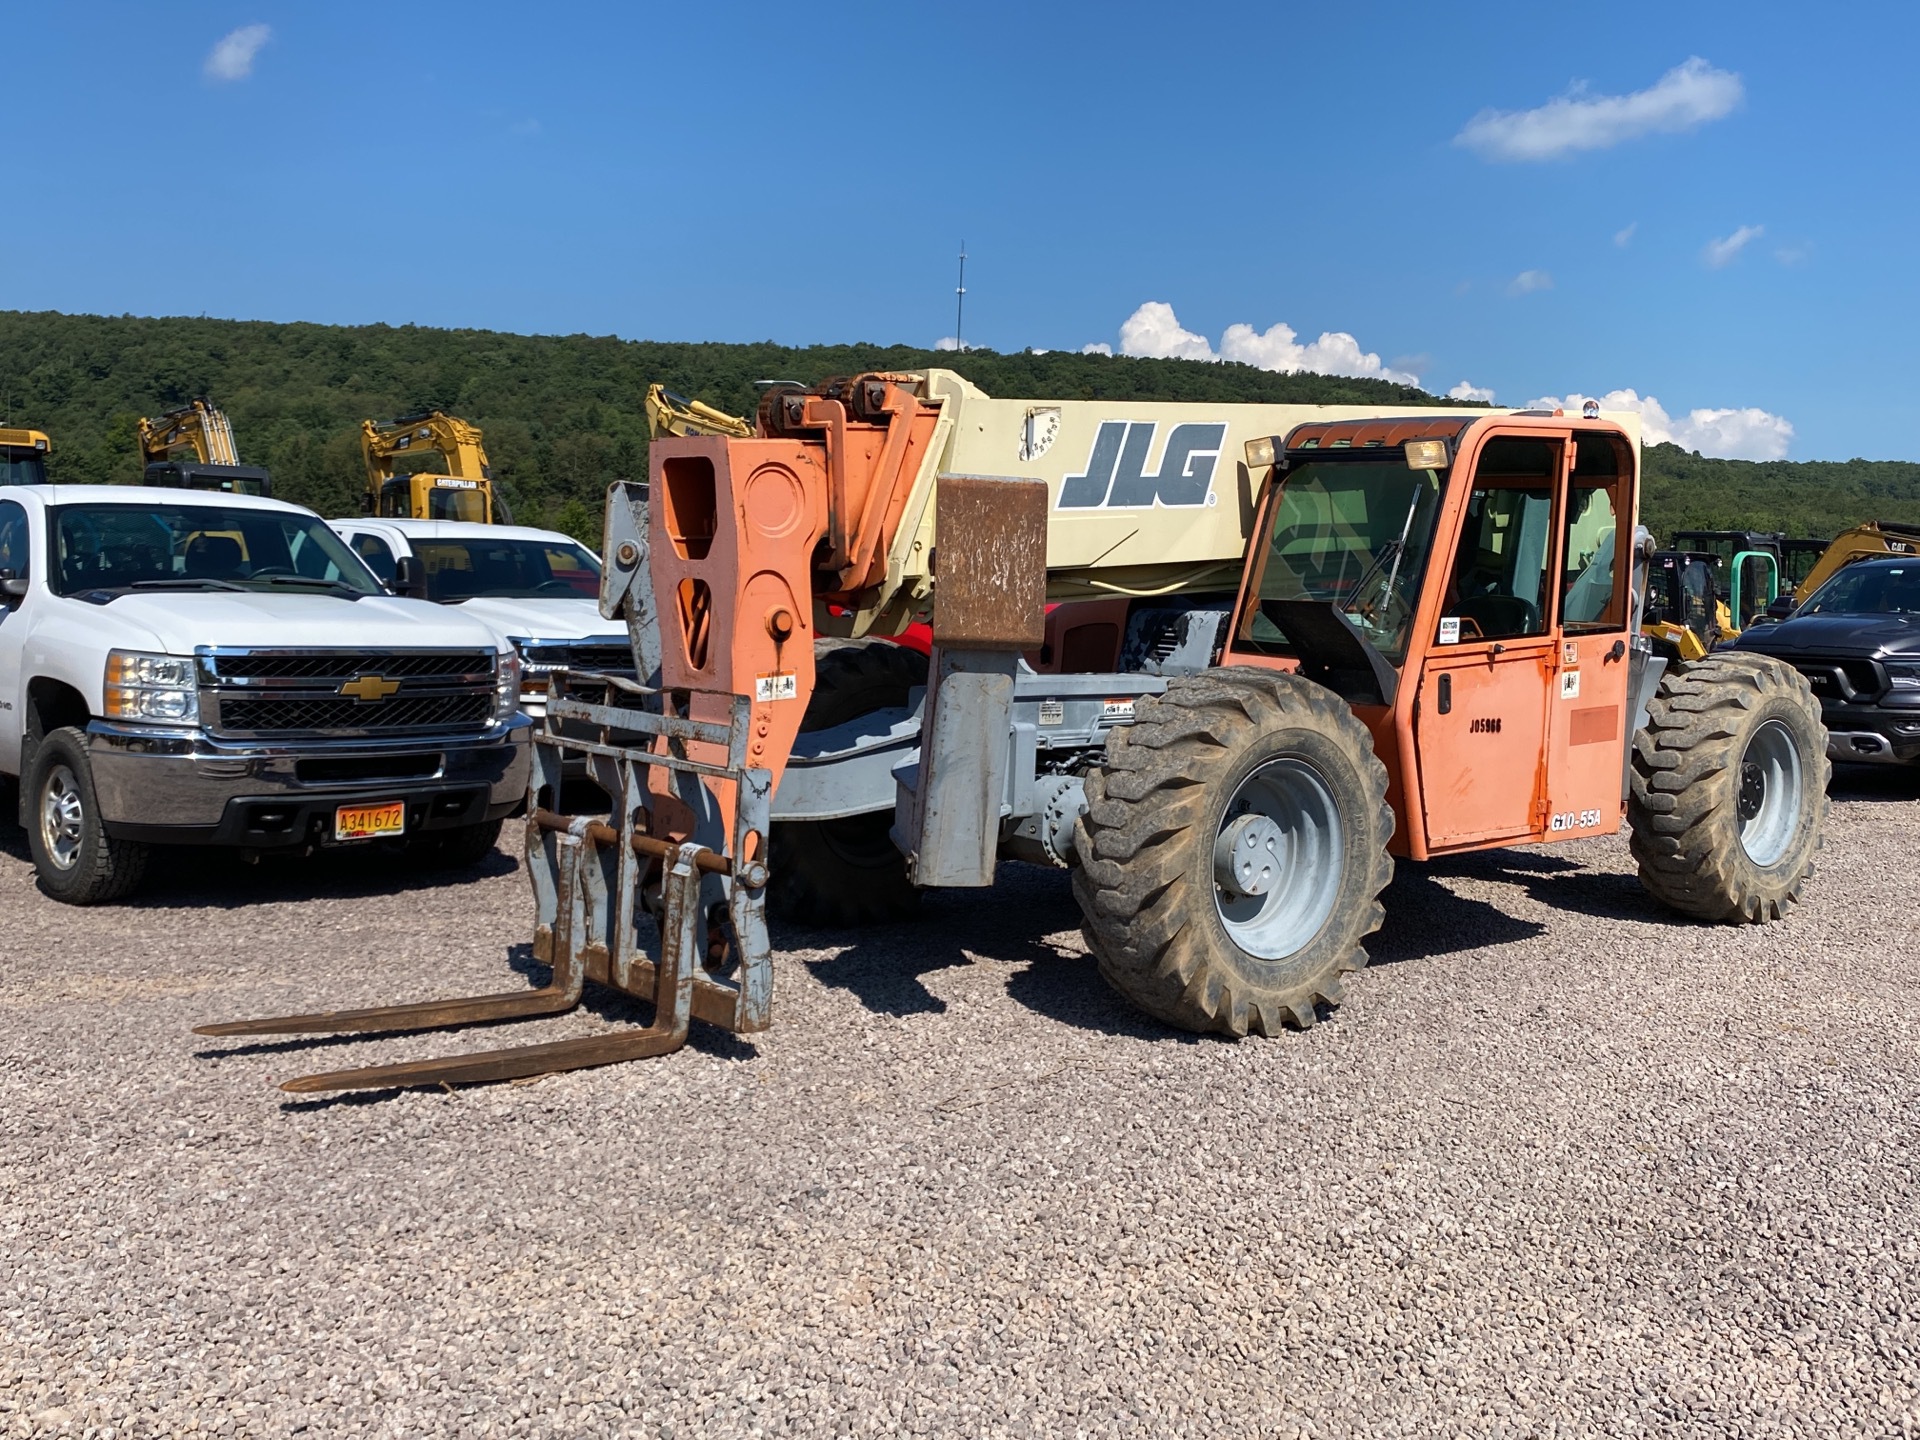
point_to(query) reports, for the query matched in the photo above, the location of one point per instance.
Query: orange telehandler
(1225, 663)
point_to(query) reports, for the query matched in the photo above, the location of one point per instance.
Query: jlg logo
(1484, 725)
(1116, 477)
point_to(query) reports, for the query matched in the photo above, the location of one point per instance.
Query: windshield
(1868, 590)
(507, 569)
(116, 548)
(1354, 532)
(22, 467)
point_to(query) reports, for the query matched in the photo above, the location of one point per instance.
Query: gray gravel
(1563, 1166)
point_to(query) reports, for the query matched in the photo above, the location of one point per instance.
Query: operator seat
(214, 557)
(1500, 617)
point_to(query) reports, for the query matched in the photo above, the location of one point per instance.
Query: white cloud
(1746, 434)
(1467, 390)
(1099, 347)
(1794, 254)
(948, 342)
(232, 57)
(1155, 331)
(1726, 250)
(1687, 96)
(1528, 281)
(1624, 238)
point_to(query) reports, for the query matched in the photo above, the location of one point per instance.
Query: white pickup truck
(178, 668)
(538, 589)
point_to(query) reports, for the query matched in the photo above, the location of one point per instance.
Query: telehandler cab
(1295, 643)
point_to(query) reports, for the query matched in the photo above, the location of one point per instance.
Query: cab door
(16, 563)
(1482, 720)
(1587, 706)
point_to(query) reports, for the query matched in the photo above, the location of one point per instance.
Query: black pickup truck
(1857, 640)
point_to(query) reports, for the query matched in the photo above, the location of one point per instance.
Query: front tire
(1233, 852)
(457, 849)
(846, 872)
(77, 861)
(1729, 792)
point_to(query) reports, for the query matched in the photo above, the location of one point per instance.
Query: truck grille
(299, 692)
(543, 657)
(1844, 682)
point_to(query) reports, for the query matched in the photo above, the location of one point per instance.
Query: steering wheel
(269, 570)
(554, 587)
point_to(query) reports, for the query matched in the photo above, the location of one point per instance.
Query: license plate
(366, 822)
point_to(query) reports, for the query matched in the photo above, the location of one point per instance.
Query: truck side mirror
(13, 587)
(408, 579)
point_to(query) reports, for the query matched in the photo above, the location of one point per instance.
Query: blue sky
(1475, 197)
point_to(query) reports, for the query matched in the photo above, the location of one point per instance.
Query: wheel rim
(1770, 784)
(1278, 859)
(62, 817)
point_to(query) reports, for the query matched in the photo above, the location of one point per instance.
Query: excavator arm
(200, 426)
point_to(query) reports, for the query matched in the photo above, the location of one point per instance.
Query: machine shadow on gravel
(1896, 784)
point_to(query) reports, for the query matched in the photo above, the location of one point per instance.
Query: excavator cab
(429, 466)
(23, 457)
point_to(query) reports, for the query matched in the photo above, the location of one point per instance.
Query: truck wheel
(77, 861)
(1233, 852)
(846, 872)
(1730, 788)
(459, 848)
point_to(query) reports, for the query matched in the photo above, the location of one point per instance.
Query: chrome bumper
(152, 779)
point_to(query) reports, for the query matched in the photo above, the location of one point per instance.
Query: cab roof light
(1261, 453)
(1427, 455)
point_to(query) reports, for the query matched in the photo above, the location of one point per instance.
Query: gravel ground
(1563, 1166)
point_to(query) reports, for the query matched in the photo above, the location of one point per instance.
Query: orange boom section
(747, 535)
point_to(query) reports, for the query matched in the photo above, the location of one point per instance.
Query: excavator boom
(192, 448)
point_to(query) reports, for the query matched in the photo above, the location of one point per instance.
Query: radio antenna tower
(960, 303)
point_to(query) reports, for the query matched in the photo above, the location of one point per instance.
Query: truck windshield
(110, 550)
(507, 569)
(1353, 532)
(20, 466)
(1868, 590)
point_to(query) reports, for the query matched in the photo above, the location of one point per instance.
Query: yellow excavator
(192, 448)
(458, 486)
(23, 456)
(1876, 539)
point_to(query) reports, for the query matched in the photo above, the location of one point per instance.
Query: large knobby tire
(846, 872)
(1729, 790)
(1233, 852)
(460, 848)
(75, 858)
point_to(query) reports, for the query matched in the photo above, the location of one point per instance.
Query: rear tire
(1729, 793)
(458, 849)
(846, 872)
(1233, 852)
(77, 861)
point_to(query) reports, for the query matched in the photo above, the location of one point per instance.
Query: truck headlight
(1904, 676)
(151, 687)
(506, 685)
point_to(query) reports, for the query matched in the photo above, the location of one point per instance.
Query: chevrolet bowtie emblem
(370, 687)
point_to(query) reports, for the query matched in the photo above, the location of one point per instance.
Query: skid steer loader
(1225, 663)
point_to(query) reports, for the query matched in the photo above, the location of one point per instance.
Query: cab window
(15, 556)
(1500, 588)
(377, 554)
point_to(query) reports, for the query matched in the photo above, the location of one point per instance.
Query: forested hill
(563, 414)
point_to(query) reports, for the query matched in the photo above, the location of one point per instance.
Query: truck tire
(457, 849)
(1729, 792)
(1233, 852)
(846, 872)
(77, 861)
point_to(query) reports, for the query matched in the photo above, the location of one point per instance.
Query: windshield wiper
(339, 587)
(187, 582)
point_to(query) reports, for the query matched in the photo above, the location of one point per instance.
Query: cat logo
(1116, 476)
(370, 687)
